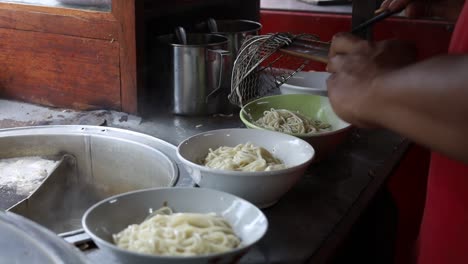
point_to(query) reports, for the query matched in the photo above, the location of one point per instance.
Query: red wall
(430, 36)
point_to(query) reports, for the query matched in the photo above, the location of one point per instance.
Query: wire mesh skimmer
(265, 62)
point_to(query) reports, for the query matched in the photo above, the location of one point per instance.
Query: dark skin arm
(425, 101)
(444, 9)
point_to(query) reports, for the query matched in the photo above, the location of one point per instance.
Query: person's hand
(355, 66)
(412, 8)
(447, 9)
(394, 5)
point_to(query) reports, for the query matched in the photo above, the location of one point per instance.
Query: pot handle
(221, 55)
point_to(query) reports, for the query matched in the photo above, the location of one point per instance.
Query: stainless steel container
(23, 241)
(197, 73)
(98, 162)
(236, 31)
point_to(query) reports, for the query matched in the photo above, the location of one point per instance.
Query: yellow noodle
(243, 157)
(289, 122)
(178, 234)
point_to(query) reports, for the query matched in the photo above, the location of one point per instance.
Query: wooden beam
(70, 22)
(124, 12)
(58, 70)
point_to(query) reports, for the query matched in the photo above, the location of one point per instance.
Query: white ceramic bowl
(306, 83)
(262, 188)
(112, 215)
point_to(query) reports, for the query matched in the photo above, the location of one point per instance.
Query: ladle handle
(181, 35)
(381, 16)
(212, 25)
(221, 55)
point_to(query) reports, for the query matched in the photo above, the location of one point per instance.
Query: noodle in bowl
(166, 233)
(295, 114)
(227, 225)
(261, 187)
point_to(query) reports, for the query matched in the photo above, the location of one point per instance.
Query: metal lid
(23, 241)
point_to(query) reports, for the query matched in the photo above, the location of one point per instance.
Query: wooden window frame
(118, 25)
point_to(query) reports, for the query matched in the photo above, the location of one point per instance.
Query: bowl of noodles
(175, 225)
(257, 165)
(309, 117)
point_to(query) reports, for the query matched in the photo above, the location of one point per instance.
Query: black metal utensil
(381, 16)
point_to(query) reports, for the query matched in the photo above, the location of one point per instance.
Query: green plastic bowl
(313, 106)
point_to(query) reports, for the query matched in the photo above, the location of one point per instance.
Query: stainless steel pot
(236, 31)
(197, 72)
(98, 162)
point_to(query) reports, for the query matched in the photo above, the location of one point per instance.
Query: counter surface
(308, 223)
(313, 218)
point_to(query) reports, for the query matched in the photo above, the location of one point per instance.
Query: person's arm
(445, 9)
(425, 101)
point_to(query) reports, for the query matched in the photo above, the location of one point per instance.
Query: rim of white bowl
(245, 173)
(112, 245)
(302, 88)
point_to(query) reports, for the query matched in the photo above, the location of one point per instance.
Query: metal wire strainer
(265, 62)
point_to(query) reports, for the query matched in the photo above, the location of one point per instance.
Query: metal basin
(95, 163)
(23, 241)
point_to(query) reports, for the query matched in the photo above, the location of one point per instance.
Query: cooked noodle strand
(289, 122)
(243, 157)
(178, 234)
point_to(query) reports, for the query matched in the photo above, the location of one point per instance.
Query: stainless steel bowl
(23, 241)
(98, 162)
